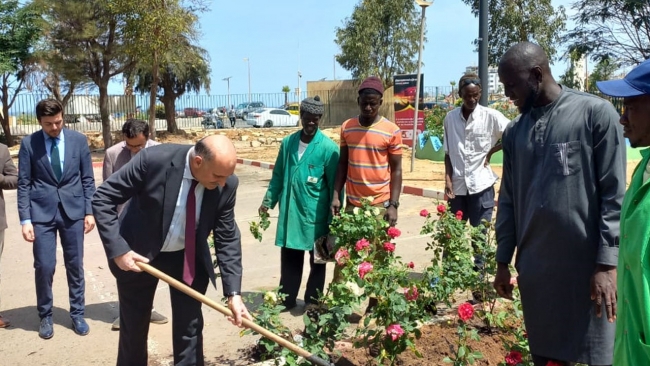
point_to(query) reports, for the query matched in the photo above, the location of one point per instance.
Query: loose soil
(437, 342)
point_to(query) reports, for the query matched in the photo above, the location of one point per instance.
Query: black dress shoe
(80, 326)
(46, 329)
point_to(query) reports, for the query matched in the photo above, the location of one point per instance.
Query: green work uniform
(303, 187)
(632, 344)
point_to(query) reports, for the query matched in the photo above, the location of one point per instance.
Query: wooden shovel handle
(225, 311)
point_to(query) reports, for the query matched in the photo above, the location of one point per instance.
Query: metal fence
(82, 111)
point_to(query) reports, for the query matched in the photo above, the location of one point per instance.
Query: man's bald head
(525, 55)
(526, 76)
(213, 161)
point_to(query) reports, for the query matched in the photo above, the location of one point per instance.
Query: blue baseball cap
(636, 83)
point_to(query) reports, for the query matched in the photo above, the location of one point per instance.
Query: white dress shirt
(175, 239)
(467, 143)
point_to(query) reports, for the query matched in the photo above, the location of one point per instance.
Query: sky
(283, 37)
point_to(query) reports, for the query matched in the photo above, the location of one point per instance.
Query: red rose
(362, 244)
(441, 209)
(389, 247)
(394, 232)
(411, 294)
(513, 358)
(459, 215)
(424, 213)
(465, 311)
(411, 265)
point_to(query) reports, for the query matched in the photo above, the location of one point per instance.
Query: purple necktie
(189, 269)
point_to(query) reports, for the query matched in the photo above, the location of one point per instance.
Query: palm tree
(178, 75)
(286, 90)
(453, 95)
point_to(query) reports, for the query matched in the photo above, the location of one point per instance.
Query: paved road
(20, 344)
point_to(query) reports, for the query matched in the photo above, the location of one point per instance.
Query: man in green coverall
(303, 184)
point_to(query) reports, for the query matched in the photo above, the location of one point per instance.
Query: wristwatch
(387, 204)
(233, 293)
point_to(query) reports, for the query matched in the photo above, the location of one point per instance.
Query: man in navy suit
(55, 189)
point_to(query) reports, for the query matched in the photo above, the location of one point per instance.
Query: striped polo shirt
(368, 152)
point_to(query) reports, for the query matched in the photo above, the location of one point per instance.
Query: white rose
(270, 297)
(376, 211)
(369, 199)
(367, 213)
(355, 210)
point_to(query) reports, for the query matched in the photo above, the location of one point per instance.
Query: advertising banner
(404, 96)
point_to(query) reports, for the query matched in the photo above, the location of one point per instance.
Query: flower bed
(490, 333)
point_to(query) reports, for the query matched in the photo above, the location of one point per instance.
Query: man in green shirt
(632, 342)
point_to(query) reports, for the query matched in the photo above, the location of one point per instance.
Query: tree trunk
(5, 126)
(170, 113)
(5, 114)
(103, 111)
(286, 99)
(152, 96)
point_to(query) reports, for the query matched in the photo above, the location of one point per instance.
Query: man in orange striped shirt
(371, 155)
(370, 163)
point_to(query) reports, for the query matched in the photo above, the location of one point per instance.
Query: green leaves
(611, 29)
(380, 38)
(256, 227)
(513, 21)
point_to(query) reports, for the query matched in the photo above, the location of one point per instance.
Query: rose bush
(366, 257)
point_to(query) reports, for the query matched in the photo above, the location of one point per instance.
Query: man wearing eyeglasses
(136, 138)
(472, 134)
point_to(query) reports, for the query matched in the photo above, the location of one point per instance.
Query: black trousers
(291, 265)
(136, 292)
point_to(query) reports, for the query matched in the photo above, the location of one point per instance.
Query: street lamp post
(483, 49)
(299, 76)
(227, 80)
(249, 78)
(423, 4)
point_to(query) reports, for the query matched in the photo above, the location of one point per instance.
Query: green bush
(160, 111)
(433, 121)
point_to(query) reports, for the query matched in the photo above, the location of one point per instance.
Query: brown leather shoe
(4, 322)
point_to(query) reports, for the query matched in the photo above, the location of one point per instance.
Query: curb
(414, 191)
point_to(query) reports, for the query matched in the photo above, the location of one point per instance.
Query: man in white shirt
(472, 134)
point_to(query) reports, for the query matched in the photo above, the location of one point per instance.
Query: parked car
(293, 108)
(243, 109)
(193, 112)
(272, 117)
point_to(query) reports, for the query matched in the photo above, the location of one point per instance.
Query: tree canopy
(85, 39)
(616, 29)
(514, 21)
(20, 29)
(380, 38)
(184, 69)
